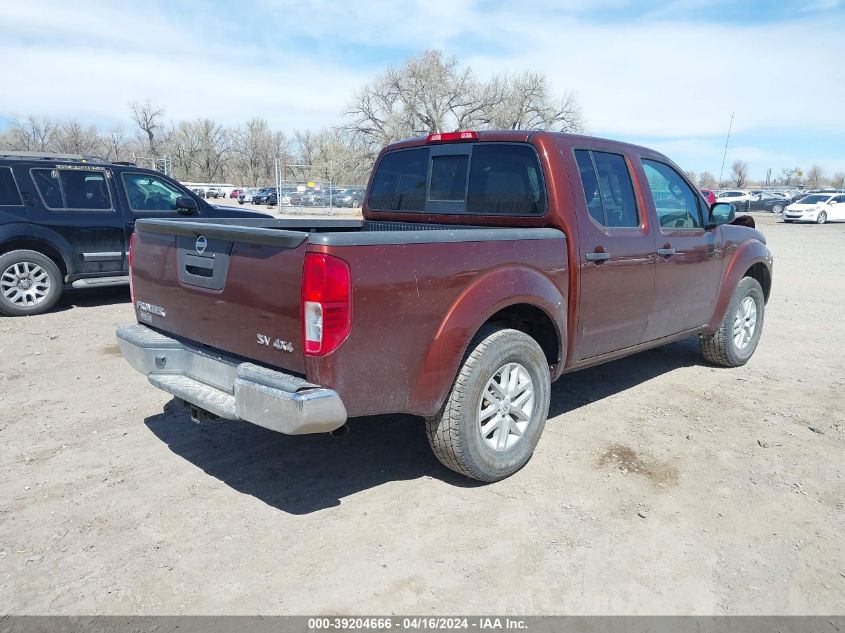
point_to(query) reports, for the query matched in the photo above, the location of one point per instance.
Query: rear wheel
(494, 415)
(734, 342)
(777, 208)
(30, 283)
(821, 218)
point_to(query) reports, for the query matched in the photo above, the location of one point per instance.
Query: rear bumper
(231, 389)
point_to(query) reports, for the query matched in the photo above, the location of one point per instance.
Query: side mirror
(186, 205)
(834, 202)
(722, 213)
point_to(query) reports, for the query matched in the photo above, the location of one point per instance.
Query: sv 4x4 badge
(279, 344)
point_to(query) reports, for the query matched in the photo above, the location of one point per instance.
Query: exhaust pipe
(340, 431)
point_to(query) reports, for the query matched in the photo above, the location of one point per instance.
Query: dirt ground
(661, 485)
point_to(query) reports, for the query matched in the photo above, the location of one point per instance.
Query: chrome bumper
(229, 389)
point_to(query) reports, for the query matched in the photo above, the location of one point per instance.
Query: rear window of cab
(461, 178)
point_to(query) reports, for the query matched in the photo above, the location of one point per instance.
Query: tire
(40, 294)
(787, 221)
(725, 346)
(455, 433)
(821, 218)
(777, 208)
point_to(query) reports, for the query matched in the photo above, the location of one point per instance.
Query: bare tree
(74, 138)
(707, 180)
(34, 134)
(815, 177)
(790, 175)
(149, 118)
(433, 93)
(524, 102)
(113, 144)
(693, 178)
(739, 172)
(255, 149)
(838, 180)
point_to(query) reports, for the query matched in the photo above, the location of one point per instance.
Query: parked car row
(352, 197)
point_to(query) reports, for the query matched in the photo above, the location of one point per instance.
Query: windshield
(816, 199)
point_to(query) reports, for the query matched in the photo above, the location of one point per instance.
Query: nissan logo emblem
(202, 244)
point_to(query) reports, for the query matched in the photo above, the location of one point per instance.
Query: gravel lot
(661, 485)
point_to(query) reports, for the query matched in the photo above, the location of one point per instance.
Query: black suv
(66, 219)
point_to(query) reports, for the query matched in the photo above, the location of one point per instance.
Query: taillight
(131, 283)
(326, 303)
(452, 136)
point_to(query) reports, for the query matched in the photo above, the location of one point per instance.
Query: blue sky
(667, 75)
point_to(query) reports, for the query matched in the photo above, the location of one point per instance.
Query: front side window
(676, 203)
(9, 194)
(150, 193)
(73, 189)
(608, 190)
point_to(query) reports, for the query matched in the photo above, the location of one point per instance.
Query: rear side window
(399, 183)
(9, 194)
(73, 189)
(506, 180)
(608, 191)
(480, 179)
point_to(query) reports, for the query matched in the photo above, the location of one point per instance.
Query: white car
(735, 196)
(817, 207)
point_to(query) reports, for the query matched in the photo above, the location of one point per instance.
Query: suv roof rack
(84, 158)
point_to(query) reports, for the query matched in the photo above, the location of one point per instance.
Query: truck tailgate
(232, 288)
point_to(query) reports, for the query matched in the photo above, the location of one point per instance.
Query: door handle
(666, 251)
(597, 257)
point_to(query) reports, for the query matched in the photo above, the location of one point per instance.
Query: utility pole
(725, 153)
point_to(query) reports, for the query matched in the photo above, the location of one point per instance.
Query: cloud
(669, 71)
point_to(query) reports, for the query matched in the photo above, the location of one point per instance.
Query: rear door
(689, 257)
(79, 203)
(616, 266)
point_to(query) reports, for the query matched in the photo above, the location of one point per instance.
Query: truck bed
(225, 284)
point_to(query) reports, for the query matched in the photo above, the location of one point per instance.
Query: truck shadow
(579, 388)
(307, 473)
(91, 298)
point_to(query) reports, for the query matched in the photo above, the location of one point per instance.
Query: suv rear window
(478, 179)
(73, 189)
(9, 194)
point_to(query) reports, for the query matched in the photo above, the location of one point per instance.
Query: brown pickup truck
(486, 266)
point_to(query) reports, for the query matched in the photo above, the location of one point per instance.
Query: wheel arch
(751, 259)
(538, 309)
(33, 239)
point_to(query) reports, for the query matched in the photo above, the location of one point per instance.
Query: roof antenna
(725, 153)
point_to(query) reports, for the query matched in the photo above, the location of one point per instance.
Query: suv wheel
(30, 283)
(734, 342)
(494, 415)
